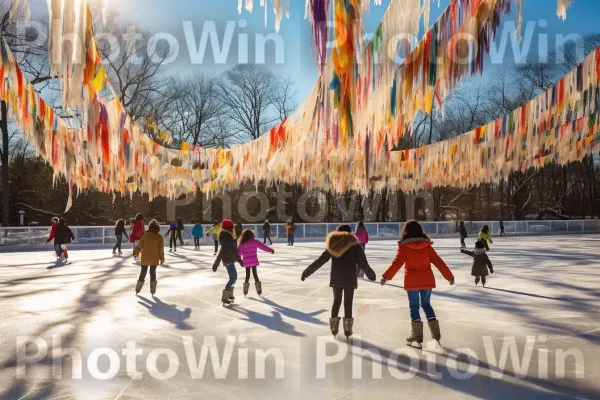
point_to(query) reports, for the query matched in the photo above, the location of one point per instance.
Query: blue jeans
(232, 276)
(417, 299)
(58, 250)
(291, 239)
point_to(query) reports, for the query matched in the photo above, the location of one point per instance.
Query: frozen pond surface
(534, 333)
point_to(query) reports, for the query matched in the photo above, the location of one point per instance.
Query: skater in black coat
(346, 254)
(481, 262)
(228, 255)
(62, 237)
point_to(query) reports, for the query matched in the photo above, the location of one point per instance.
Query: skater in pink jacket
(247, 249)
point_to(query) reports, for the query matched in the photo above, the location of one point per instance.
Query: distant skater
(462, 231)
(62, 238)
(172, 234)
(248, 247)
(197, 233)
(502, 233)
(267, 232)
(346, 255)
(291, 231)
(486, 236)
(416, 254)
(119, 232)
(214, 231)
(363, 238)
(481, 262)
(137, 230)
(152, 247)
(54, 225)
(180, 229)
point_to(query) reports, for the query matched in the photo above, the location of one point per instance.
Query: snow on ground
(540, 309)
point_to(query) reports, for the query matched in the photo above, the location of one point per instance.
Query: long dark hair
(485, 229)
(412, 229)
(139, 217)
(361, 224)
(246, 236)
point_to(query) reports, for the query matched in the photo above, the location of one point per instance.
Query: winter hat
(154, 226)
(480, 244)
(266, 220)
(344, 228)
(227, 224)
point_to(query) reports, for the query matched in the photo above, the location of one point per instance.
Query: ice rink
(533, 333)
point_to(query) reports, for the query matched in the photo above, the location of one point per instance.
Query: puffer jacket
(228, 254)
(152, 247)
(248, 252)
(198, 231)
(462, 231)
(136, 231)
(63, 235)
(362, 235)
(417, 255)
(481, 262)
(345, 253)
(487, 237)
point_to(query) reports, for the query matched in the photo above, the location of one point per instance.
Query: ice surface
(544, 295)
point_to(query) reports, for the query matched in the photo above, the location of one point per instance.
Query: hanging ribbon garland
(339, 139)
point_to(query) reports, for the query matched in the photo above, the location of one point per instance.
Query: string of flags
(340, 139)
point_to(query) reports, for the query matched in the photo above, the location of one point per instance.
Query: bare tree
(247, 95)
(196, 111)
(284, 97)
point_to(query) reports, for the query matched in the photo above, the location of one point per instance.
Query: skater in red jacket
(416, 254)
(137, 230)
(57, 249)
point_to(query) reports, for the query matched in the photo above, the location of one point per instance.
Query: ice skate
(416, 335)
(334, 325)
(348, 324)
(153, 287)
(225, 297)
(138, 287)
(434, 327)
(258, 288)
(246, 288)
(231, 296)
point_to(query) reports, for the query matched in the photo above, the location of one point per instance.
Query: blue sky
(167, 16)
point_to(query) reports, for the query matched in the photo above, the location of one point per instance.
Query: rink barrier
(36, 236)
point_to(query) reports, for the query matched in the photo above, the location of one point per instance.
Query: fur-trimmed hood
(416, 243)
(339, 243)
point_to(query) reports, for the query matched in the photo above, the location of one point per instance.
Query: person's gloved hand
(383, 281)
(491, 270)
(303, 279)
(451, 282)
(215, 268)
(272, 251)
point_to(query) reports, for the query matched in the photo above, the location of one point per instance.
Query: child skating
(214, 231)
(152, 247)
(248, 247)
(346, 254)
(228, 255)
(462, 231)
(172, 233)
(57, 249)
(363, 238)
(486, 236)
(62, 238)
(416, 254)
(197, 233)
(119, 232)
(137, 230)
(481, 262)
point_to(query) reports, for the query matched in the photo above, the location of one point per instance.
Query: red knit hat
(227, 224)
